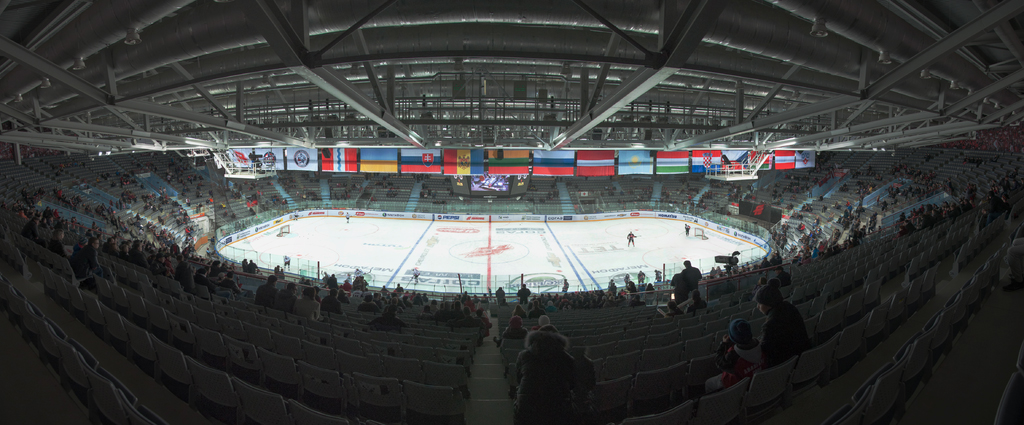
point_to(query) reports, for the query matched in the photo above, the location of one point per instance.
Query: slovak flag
(424, 161)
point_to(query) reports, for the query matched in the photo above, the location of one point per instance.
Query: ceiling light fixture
(79, 64)
(819, 29)
(884, 58)
(953, 85)
(45, 84)
(133, 37)
(566, 70)
(925, 74)
(459, 64)
(18, 98)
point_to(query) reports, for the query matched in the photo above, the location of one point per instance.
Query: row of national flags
(583, 163)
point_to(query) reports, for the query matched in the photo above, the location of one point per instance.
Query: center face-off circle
(500, 251)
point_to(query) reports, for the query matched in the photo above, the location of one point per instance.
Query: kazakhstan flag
(635, 162)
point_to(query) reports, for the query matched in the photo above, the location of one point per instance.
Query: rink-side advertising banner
(635, 162)
(422, 161)
(339, 160)
(378, 160)
(595, 163)
(302, 159)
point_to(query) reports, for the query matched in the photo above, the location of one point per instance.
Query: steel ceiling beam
(873, 125)
(903, 134)
(771, 93)
(1003, 11)
(759, 124)
(209, 121)
(95, 128)
(288, 46)
(1006, 110)
(202, 91)
(44, 67)
(681, 42)
(984, 92)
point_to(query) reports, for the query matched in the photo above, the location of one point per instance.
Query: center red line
(489, 251)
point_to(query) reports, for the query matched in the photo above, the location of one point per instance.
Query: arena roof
(124, 76)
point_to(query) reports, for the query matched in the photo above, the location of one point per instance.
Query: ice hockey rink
(482, 256)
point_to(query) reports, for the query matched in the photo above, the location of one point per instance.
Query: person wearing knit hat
(515, 330)
(739, 356)
(783, 334)
(541, 321)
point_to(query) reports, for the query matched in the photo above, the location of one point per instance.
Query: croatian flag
(704, 161)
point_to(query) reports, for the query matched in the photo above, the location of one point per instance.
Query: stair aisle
(414, 197)
(563, 195)
(656, 192)
(284, 193)
(489, 403)
(325, 192)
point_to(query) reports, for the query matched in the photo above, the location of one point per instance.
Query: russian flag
(595, 163)
(785, 160)
(425, 161)
(553, 163)
(339, 160)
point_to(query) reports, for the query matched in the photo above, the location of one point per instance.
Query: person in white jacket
(307, 306)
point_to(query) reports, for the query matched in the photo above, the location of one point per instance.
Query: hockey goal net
(699, 233)
(285, 230)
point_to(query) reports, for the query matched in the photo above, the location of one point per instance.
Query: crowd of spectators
(1003, 139)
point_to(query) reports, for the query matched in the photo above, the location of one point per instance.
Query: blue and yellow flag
(635, 162)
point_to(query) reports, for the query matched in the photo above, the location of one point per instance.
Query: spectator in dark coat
(785, 279)
(226, 286)
(331, 304)
(267, 292)
(85, 262)
(388, 321)
(201, 279)
(783, 334)
(138, 257)
(685, 281)
(514, 331)
(31, 231)
(368, 306)
(500, 296)
(184, 275)
(547, 377)
(56, 244)
(524, 294)
(285, 300)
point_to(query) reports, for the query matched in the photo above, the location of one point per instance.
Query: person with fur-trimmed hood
(546, 380)
(739, 356)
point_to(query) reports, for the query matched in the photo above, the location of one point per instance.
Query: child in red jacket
(739, 356)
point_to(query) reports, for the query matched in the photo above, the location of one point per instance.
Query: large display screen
(489, 183)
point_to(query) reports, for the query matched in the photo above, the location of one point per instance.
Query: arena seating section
(236, 362)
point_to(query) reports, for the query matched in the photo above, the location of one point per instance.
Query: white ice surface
(486, 255)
